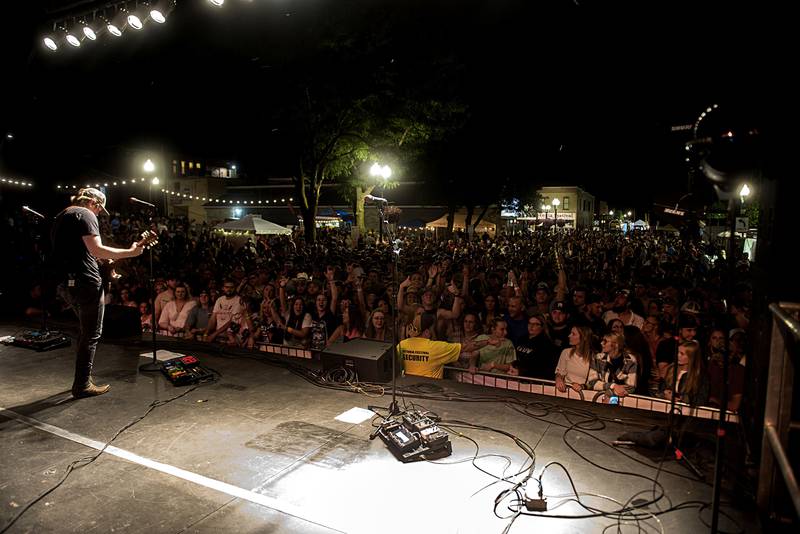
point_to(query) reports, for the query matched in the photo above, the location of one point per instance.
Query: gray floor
(263, 453)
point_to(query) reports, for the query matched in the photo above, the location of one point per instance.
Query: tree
(356, 107)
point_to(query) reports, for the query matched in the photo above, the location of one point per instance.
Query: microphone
(26, 208)
(134, 200)
(376, 199)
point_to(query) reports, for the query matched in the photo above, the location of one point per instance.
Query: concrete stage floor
(260, 451)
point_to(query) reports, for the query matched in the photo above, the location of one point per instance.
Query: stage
(260, 450)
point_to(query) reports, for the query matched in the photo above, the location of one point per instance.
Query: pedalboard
(185, 370)
(413, 436)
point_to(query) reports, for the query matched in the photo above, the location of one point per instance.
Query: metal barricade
(778, 411)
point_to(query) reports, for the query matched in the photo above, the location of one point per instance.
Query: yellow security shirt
(423, 357)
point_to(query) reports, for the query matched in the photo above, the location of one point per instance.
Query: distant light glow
(155, 180)
(149, 166)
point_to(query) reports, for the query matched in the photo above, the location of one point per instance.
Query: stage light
(73, 40)
(160, 9)
(217, 3)
(89, 32)
(116, 25)
(135, 22)
(50, 43)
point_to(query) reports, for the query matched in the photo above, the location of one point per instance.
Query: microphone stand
(153, 366)
(41, 262)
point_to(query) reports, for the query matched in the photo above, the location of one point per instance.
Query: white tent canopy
(459, 221)
(254, 223)
(641, 224)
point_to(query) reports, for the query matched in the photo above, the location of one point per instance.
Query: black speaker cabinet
(121, 321)
(371, 360)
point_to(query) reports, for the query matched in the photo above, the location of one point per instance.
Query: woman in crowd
(495, 352)
(692, 385)
(614, 369)
(352, 326)
(125, 298)
(572, 369)
(467, 335)
(197, 321)
(146, 317)
(296, 323)
(379, 326)
(536, 353)
(489, 313)
(173, 317)
(646, 370)
(616, 326)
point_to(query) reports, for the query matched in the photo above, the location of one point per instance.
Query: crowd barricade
(548, 387)
(285, 350)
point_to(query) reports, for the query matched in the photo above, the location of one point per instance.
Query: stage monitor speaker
(121, 322)
(370, 359)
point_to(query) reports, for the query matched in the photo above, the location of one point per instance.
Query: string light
(224, 201)
(12, 181)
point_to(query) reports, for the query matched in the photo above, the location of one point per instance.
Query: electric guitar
(147, 239)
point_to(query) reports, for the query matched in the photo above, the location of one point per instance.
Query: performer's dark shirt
(70, 256)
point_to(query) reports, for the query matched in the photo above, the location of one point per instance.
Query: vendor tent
(459, 221)
(640, 224)
(254, 223)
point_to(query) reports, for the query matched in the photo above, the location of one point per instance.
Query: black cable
(86, 460)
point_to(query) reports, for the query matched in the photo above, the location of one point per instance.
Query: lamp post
(381, 171)
(149, 167)
(545, 209)
(555, 203)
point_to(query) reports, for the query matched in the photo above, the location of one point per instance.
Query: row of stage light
(113, 19)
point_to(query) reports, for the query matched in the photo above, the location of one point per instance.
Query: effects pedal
(185, 370)
(414, 436)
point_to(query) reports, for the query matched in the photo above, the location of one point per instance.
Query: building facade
(576, 208)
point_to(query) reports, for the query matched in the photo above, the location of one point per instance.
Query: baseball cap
(559, 305)
(301, 276)
(95, 195)
(542, 285)
(690, 306)
(623, 291)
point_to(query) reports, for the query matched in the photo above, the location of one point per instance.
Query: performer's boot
(89, 389)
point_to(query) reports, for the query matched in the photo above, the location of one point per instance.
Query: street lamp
(555, 203)
(381, 171)
(149, 166)
(744, 192)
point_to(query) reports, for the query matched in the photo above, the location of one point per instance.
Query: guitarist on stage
(76, 248)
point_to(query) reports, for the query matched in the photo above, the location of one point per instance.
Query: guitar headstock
(147, 239)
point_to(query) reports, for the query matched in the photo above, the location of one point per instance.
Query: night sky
(558, 91)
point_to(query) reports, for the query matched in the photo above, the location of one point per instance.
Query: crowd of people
(644, 313)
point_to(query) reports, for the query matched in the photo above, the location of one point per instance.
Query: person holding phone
(613, 370)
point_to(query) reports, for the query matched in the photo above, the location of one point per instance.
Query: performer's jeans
(87, 302)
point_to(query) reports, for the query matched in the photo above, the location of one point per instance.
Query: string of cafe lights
(110, 20)
(12, 181)
(140, 181)
(231, 202)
